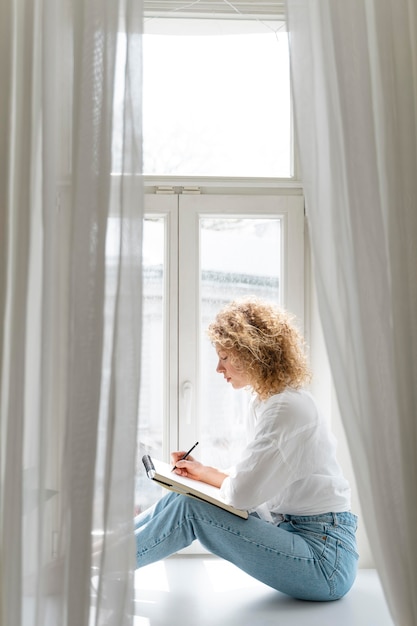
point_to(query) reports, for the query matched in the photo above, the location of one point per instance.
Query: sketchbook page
(165, 470)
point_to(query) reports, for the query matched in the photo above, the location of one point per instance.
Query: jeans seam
(313, 558)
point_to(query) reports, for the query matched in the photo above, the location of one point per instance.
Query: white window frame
(166, 207)
(181, 213)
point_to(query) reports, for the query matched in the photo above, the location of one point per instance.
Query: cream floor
(206, 591)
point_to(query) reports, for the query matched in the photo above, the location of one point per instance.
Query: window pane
(218, 103)
(239, 257)
(151, 413)
(151, 398)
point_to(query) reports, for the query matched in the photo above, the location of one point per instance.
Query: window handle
(187, 395)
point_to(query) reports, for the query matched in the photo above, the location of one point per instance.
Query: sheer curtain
(354, 71)
(70, 300)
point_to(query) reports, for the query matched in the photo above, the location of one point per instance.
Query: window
(216, 98)
(200, 252)
(216, 107)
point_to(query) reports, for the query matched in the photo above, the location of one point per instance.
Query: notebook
(161, 473)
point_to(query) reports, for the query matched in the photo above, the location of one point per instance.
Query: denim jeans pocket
(333, 546)
(340, 564)
(346, 537)
(313, 533)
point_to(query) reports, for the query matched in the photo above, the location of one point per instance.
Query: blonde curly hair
(261, 339)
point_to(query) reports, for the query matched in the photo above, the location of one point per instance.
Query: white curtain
(70, 305)
(354, 71)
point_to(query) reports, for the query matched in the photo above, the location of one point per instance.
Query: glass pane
(239, 257)
(218, 103)
(151, 398)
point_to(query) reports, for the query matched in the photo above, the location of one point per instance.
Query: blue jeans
(307, 557)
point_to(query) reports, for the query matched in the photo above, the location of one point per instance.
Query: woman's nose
(219, 367)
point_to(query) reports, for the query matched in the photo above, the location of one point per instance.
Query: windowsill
(213, 592)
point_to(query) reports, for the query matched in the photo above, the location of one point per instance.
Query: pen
(185, 455)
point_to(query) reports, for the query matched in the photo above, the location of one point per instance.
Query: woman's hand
(177, 456)
(190, 468)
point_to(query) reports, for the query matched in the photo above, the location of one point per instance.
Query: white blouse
(289, 465)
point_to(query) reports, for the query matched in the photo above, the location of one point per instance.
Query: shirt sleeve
(280, 453)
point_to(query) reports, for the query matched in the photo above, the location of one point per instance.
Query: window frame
(159, 20)
(181, 213)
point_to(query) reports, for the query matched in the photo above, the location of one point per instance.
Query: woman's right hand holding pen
(190, 468)
(178, 456)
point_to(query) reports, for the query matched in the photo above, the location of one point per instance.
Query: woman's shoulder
(292, 397)
(297, 406)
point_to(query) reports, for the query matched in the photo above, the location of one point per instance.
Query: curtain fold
(70, 306)
(354, 74)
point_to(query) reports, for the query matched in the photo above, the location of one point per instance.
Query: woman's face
(236, 377)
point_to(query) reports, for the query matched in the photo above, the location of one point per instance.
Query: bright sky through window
(217, 104)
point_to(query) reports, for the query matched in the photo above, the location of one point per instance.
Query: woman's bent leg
(146, 516)
(280, 559)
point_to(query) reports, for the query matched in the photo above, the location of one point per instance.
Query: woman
(300, 534)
